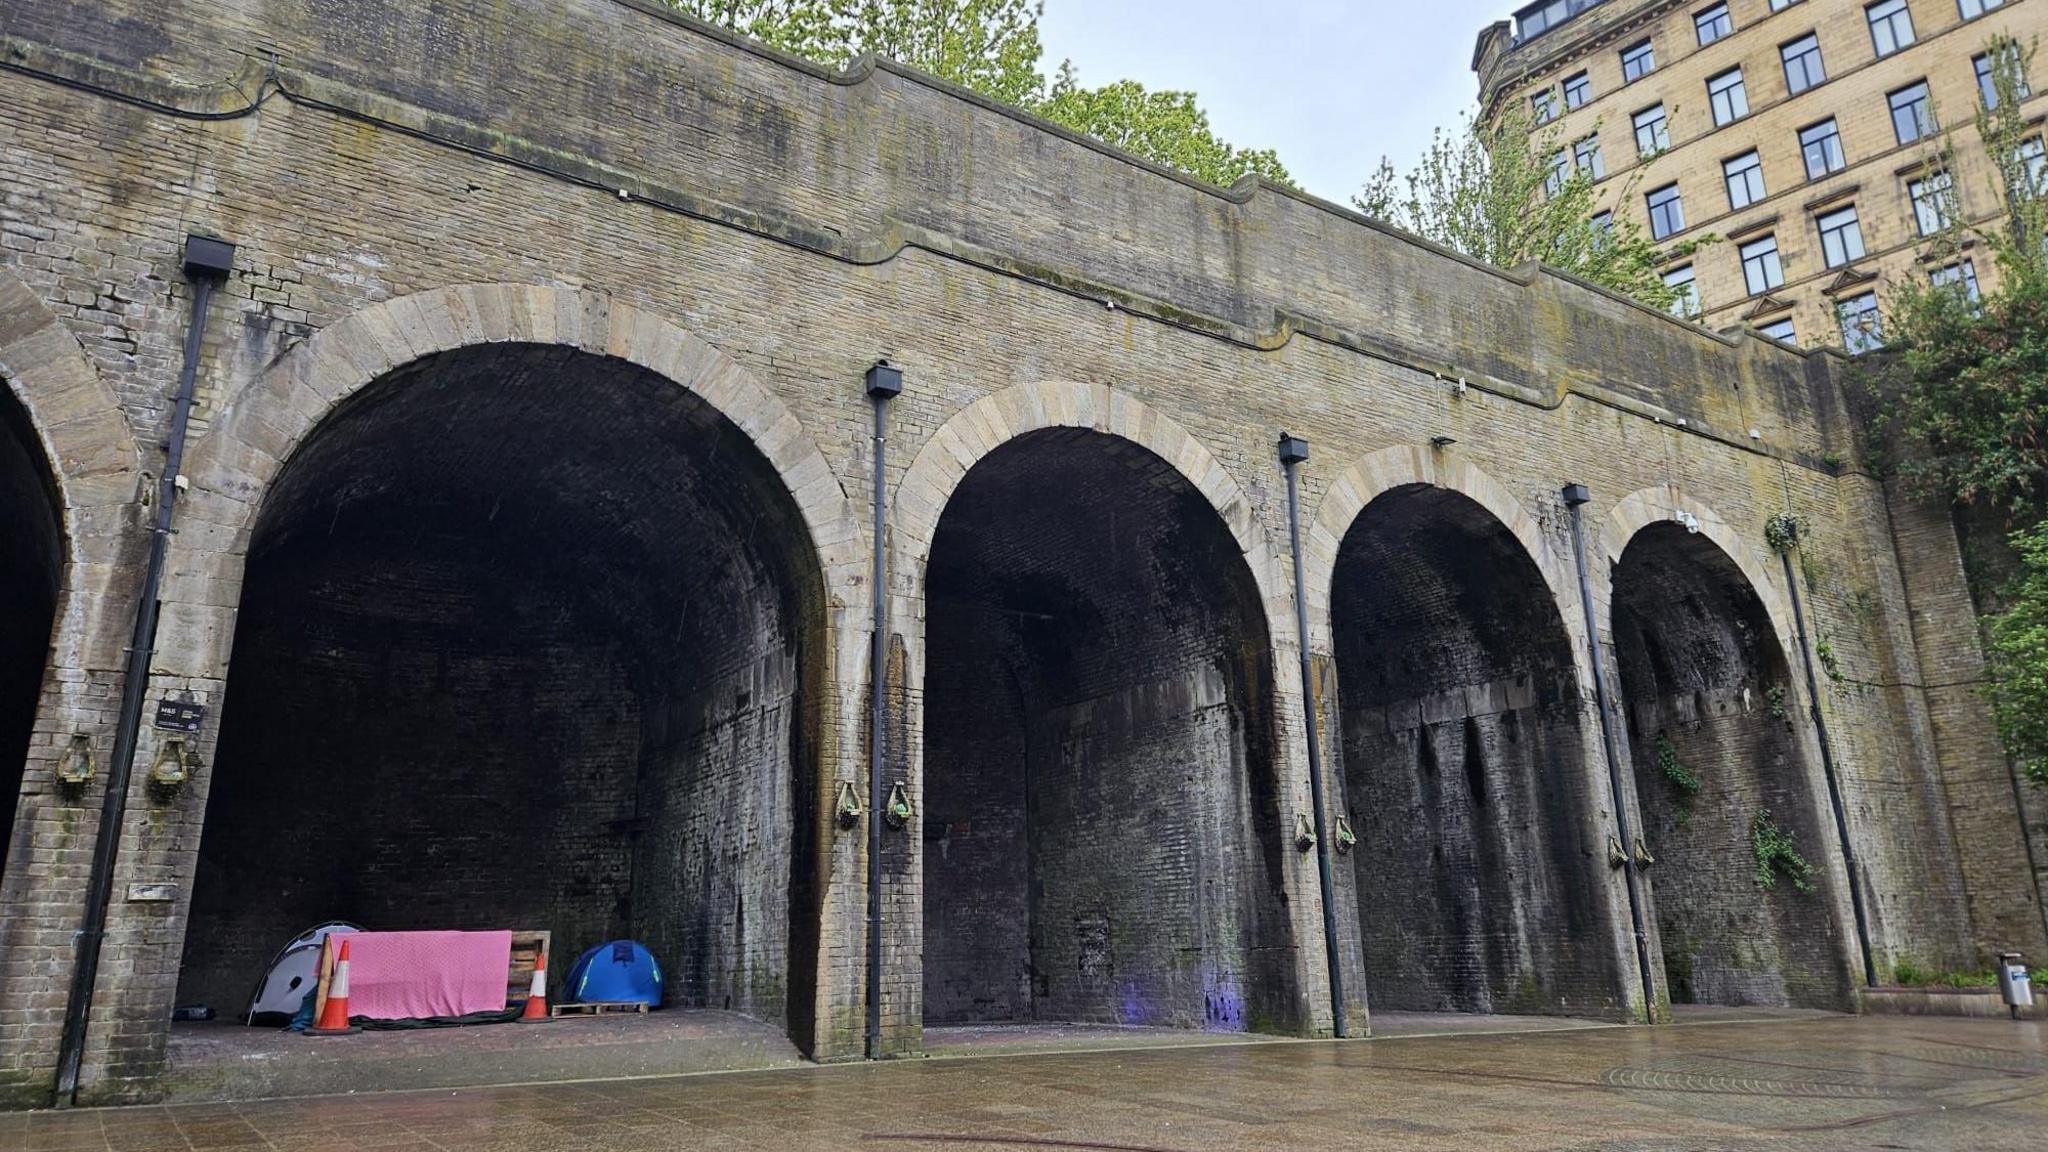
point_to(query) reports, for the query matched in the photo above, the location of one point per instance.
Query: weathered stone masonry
(530, 480)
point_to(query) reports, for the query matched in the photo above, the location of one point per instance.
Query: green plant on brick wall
(1774, 699)
(1678, 776)
(1782, 532)
(1777, 855)
(1824, 651)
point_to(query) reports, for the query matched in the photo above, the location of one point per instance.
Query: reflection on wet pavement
(1840, 1082)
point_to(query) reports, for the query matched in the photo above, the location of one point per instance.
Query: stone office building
(1805, 134)
(524, 532)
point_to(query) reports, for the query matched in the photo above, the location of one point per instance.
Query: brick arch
(996, 419)
(1647, 506)
(1401, 466)
(86, 441)
(232, 468)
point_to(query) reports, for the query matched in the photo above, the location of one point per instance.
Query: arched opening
(1463, 762)
(31, 565)
(529, 638)
(1710, 707)
(1100, 842)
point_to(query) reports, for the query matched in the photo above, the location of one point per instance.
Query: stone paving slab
(1794, 1085)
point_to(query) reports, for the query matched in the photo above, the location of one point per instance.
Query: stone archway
(75, 478)
(1465, 743)
(494, 526)
(1713, 714)
(1095, 739)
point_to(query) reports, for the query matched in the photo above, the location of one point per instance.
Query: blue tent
(616, 972)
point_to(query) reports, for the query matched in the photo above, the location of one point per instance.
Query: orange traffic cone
(537, 998)
(334, 1014)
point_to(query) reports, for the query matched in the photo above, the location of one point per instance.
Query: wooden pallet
(599, 1008)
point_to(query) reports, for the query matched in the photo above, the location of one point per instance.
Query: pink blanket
(413, 975)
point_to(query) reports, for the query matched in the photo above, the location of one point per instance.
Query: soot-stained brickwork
(498, 675)
(29, 572)
(1709, 706)
(570, 301)
(1101, 815)
(1464, 766)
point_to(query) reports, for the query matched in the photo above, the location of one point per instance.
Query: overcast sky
(1330, 84)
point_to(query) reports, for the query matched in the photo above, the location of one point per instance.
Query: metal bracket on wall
(75, 767)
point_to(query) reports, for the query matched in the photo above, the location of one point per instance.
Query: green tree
(1505, 193)
(1962, 391)
(1166, 127)
(992, 47)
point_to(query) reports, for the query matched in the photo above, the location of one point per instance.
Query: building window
(1560, 171)
(1577, 90)
(1802, 63)
(1912, 115)
(1781, 5)
(1712, 23)
(1603, 223)
(1891, 25)
(1781, 330)
(1543, 106)
(1933, 197)
(1861, 329)
(1537, 19)
(1987, 73)
(1687, 304)
(1962, 275)
(1821, 144)
(1745, 177)
(1667, 211)
(1841, 237)
(2033, 166)
(1652, 136)
(1637, 61)
(1729, 98)
(1971, 9)
(1761, 271)
(1586, 156)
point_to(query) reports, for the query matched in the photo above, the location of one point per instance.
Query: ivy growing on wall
(1777, 855)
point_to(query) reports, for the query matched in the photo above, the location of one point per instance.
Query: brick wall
(786, 228)
(1701, 672)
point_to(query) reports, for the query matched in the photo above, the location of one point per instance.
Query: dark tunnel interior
(529, 638)
(31, 562)
(1463, 764)
(1101, 824)
(1710, 710)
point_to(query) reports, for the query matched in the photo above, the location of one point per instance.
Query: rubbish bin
(2014, 984)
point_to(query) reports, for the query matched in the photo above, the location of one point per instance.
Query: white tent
(294, 972)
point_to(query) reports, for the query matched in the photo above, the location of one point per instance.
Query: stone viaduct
(522, 561)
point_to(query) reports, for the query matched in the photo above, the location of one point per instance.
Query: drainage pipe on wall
(207, 262)
(883, 382)
(1293, 452)
(1575, 498)
(1827, 769)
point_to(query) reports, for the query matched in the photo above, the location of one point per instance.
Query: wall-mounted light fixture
(1345, 837)
(171, 768)
(75, 767)
(1304, 832)
(850, 810)
(898, 811)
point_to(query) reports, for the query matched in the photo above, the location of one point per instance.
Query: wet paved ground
(1870, 1082)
